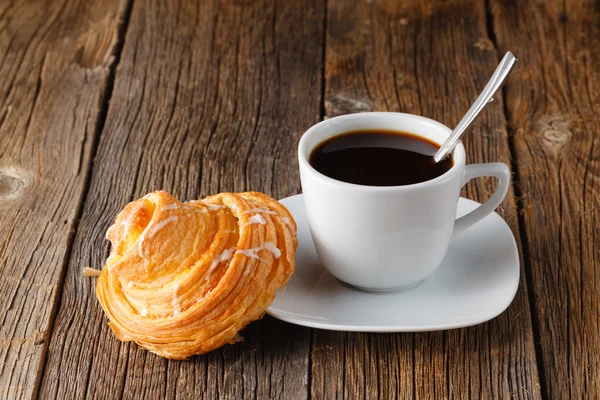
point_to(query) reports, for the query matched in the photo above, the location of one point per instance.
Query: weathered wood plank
(55, 59)
(209, 96)
(553, 107)
(428, 58)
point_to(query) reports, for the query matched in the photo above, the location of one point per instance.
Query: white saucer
(477, 281)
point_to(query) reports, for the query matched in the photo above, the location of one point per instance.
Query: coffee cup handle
(497, 170)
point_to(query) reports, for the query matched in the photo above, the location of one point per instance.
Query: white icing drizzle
(273, 249)
(175, 300)
(111, 258)
(260, 210)
(286, 221)
(126, 227)
(162, 224)
(172, 206)
(153, 232)
(250, 253)
(144, 312)
(224, 256)
(214, 207)
(267, 246)
(129, 284)
(141, 240)
(256, 219)
(108, 231)
(126, 223)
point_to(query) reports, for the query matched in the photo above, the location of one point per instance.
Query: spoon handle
(501, 73)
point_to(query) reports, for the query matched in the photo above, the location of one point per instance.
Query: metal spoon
(500, 74)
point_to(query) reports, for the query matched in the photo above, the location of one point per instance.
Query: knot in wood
(556, 136)
(13, 183)
(484, 44)
(555, 130)
(341, 104)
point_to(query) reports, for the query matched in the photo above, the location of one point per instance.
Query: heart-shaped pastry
(185, 278)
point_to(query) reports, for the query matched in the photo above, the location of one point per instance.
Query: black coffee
(379, 158)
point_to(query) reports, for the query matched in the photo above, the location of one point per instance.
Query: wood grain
(430, 58)
(553, 108)
(55, 59)
(212, 96)
(209, 96)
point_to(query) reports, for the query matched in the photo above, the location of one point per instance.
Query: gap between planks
(103, 104)
(516, 180)
(322, 114)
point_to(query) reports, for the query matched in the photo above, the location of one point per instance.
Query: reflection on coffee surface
(379, 158)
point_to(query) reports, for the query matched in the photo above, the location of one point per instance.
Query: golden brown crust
(185, 278)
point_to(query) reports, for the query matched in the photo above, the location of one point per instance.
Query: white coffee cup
(384, 239)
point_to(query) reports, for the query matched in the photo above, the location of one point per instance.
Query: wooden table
(102, 101)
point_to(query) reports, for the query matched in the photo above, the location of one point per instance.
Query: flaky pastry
(185, 278)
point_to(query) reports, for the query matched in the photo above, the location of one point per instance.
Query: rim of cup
(304, 150)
